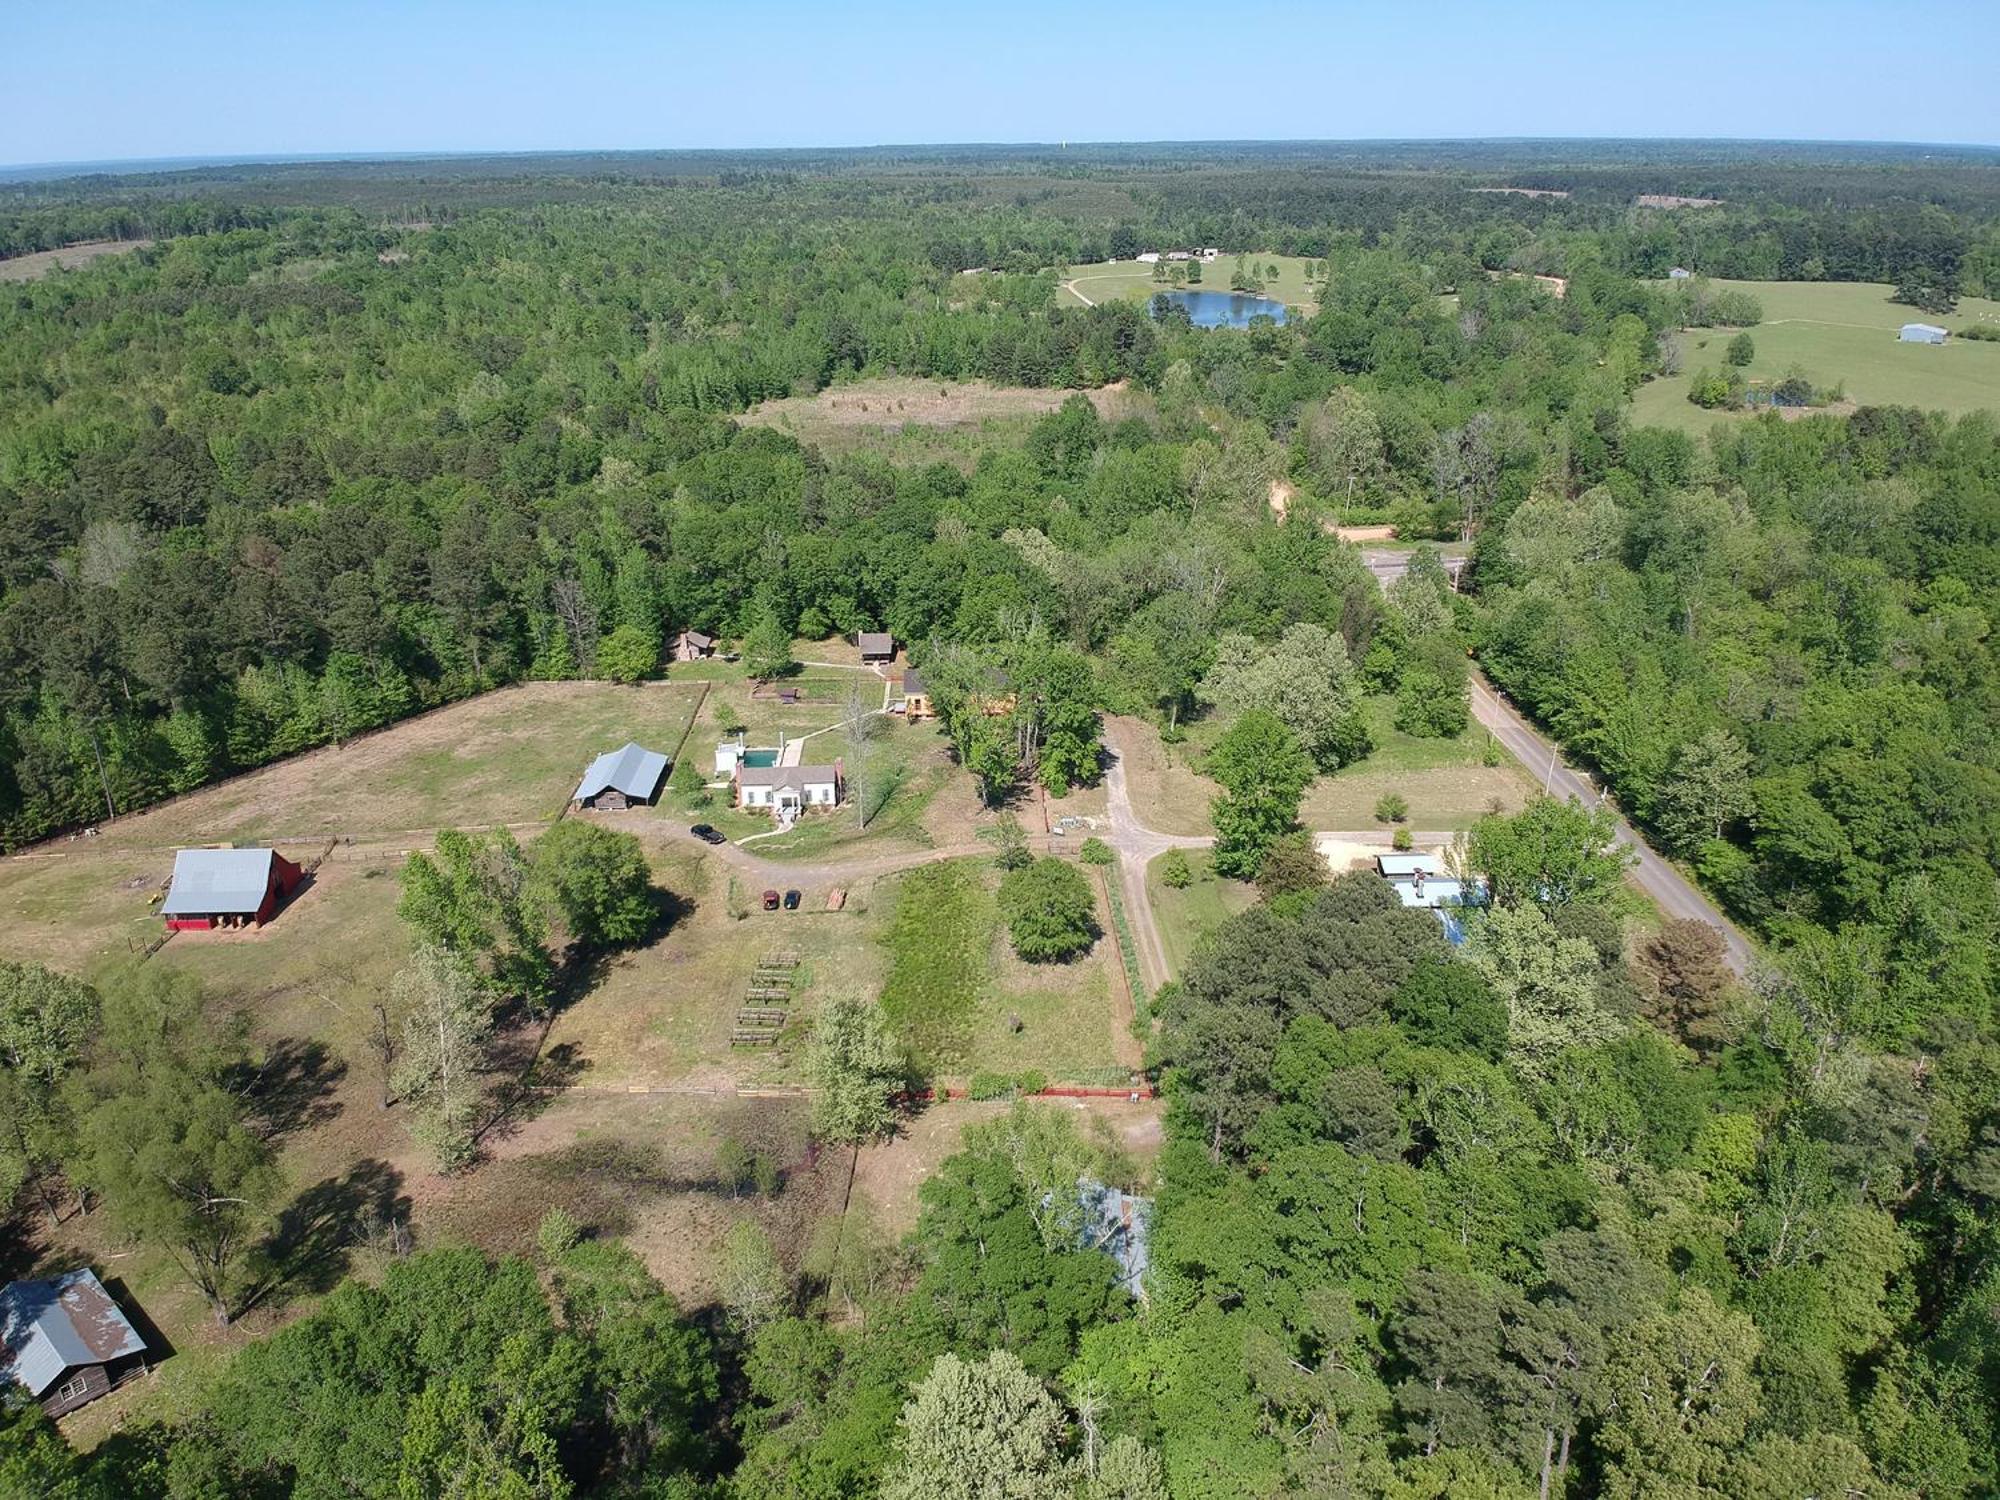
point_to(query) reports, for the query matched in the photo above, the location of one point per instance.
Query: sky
(99, 80)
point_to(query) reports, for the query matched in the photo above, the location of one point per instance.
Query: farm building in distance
(1923, 333)
(227, 888)
(1679, 273)
(787, 790)
(65, 1341)
(619, 778)
(692, 645)
(878, 647)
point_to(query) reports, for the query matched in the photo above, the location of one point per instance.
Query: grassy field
(1185, 915)
(1127, 280)
(1446, 782)
(954, 986)
(923, 799)
(1841, 333)
(655, 1016)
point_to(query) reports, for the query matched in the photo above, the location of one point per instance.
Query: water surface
(1225, 309)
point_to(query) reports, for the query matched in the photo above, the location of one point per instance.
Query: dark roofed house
(619, 778)
(227, 888)
(692, 645)
(65, 1341)
(877, 646)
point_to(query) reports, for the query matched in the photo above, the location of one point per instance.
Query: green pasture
(1129, 281)
(1840, 333)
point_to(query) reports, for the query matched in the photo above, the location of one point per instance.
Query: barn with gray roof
(65, 1341)
(618, 778)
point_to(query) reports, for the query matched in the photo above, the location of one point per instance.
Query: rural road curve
(1652, 874)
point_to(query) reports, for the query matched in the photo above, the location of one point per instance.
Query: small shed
(877, 646)
(692, 645)
(1679, 273)
(618, 778)
(227, 888)
(916, 695)
(65, 1341)
(1923, 333)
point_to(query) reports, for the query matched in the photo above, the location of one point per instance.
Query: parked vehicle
(707, 834)
(791, 900)
(770, 901)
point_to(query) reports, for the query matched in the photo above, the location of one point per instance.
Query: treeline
(288, 489)
(1776, 646)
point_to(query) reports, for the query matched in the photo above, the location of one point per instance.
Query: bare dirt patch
(69, 257)
(854, 413)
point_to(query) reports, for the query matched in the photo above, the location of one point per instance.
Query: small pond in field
(1222, 309)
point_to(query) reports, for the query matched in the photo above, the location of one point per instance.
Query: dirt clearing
(41, 262)
(850, 414)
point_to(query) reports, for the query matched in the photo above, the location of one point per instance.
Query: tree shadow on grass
(292, 1088)
(531, 1086)
(310, 1247)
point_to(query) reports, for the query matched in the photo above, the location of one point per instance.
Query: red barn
(227, 888)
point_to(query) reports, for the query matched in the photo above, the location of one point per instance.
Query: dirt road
(1652, 874)
(1136, 846)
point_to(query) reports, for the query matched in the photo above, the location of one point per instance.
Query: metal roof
(218, 882)
(1437, 893)
(1393, 865)
(49, 1327)
(633, 770)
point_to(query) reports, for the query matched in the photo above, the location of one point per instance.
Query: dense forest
(1546, 1218)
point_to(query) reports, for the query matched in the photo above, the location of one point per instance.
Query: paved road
(1652, 874)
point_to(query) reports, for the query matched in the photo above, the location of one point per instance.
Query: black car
(707, 834)
(791, 900)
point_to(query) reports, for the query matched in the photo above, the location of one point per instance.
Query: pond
(1223, 309)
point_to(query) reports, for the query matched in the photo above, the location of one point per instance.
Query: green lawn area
(1446, 782)
(1186, 915)
(1840, 333)
(905, 765)
(1129, 281)
(954, 984)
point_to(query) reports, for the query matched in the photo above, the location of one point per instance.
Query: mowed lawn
(955, 987)
(1187, 915)
(1129, 281)
(1447, 783)
(917, 796)
(1840, 333)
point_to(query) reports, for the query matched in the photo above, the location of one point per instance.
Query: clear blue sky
(85, 80)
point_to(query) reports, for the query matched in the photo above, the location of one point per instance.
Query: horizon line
(101, 166)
